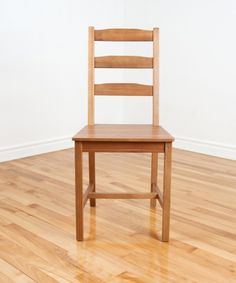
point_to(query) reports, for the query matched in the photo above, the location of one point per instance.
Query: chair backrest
(130, 89)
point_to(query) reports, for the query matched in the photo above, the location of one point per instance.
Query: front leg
(166, 193)
(79, 190)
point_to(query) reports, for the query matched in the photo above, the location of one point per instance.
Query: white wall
(197, 71)
(43, 71)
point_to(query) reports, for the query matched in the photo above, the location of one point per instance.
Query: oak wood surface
(91, 106)
(123, 62)
(123, 89)
(156, 189)
(123, 35)
(155, 102)
(92, 175)
(123, 132)
(123, 196)
(89, 189)
(166, 192)
(154, 176)
(37, 221)
(125, 138)
(115, 146)
(79, 190)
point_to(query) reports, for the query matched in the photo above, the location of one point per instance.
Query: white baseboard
(206, 147)
(29, 149)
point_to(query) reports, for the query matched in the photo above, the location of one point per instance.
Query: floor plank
(122, 237)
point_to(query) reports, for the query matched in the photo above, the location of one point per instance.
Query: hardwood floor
(37, 221)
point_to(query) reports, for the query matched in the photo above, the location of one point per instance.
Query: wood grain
(123, 89)
(159, 197)
(123, 196)
(123, 35)
(37, 221)
(79, 205)
(123, 132)
(91, 109)
(100, 146)
(123, 62)
(89, 189)
(154, 176)
(155, 103)
(166, 192)
(92, 175)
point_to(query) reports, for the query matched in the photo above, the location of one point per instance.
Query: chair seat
(123, 133)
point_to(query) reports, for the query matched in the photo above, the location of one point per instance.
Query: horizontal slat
(123, 146)
(123, 195)
(123, 62)
(123, 89)
(123, 35)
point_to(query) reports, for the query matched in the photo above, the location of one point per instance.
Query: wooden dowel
(86, 193)
(123, 195)
(156, 189)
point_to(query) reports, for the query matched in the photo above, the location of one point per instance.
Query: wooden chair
(123, 138)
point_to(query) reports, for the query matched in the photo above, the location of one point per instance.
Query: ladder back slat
(123, 89)
(123, 35)
(123, 62)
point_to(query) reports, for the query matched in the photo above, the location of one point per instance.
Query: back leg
(154, 175)
(92, 175)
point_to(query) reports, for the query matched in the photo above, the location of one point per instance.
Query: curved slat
(123, 35)
(124, 89)
(123, 62)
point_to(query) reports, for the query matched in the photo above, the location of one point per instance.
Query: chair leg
(166, 193)
(92, 175)
(79, 190)
(154, 174)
